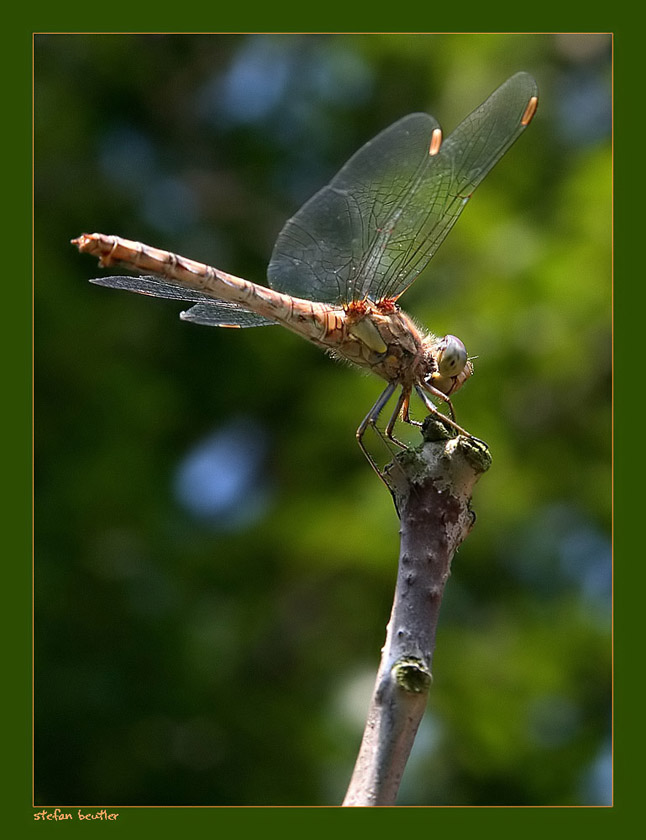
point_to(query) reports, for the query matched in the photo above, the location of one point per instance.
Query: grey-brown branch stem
(433, 488)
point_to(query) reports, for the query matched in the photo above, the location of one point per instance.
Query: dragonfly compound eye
(452, 356)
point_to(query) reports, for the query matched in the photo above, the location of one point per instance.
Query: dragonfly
(341, 263)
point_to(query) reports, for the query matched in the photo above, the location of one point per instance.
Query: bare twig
(433, 489)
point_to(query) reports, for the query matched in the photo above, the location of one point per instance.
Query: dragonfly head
(453, 365)
(451, 356)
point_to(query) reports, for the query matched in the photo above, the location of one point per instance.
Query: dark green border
(629, 564)
(629, 571)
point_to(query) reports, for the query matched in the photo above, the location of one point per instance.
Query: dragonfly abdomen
(318, 322)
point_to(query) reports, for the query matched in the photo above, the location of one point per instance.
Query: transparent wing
(375, 227)
(224, 314)
(210, 311)
(151, 286)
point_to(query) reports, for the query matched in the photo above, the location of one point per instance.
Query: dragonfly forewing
(340, 243)
(375, 227)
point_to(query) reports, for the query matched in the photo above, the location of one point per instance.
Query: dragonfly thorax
(384, 339)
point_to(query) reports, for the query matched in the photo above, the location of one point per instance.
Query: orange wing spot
(436, 142)
(530, 110)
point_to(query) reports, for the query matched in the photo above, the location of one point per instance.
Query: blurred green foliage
(221, 649)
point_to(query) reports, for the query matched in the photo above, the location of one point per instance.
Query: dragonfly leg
(449, 421)
(406, 409)
(406, 413)
(371, 420)
(400, 408)
(436, 393)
